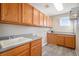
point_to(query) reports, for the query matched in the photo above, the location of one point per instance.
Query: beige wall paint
(56, 24)
(8, 29)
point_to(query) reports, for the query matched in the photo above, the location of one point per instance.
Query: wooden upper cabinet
(27, 14)
(41, 19)
(36, 17)
(10, 12)
(16, 13)
(48, 22)
(45, 21)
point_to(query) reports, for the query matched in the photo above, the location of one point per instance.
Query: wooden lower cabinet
(26, 53)
(33, 48)
(36, 48)
(22, 50)
(51, 39)
(70, 41)
(61, 39)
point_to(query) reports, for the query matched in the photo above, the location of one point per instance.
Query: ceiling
(51, 10)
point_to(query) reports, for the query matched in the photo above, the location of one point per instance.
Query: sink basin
(13, 42)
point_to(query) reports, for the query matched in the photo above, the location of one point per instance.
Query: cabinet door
(48, 38)
(27, 14)
(36, 50)
(70, 41)
(48, 22)
(24, 53)
(36, 17)
(17, 51)
(60, 40)
(51, 39)
(41, 19)
(45, 20)
(10, 12)
(35, 42)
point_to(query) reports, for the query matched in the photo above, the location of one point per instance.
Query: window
(65, 21)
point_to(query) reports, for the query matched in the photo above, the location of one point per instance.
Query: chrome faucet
(11, 37)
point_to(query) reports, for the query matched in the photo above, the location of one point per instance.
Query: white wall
(56, 24)
(77, 38)
(8, 29)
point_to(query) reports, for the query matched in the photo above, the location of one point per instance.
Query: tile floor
(51, 50)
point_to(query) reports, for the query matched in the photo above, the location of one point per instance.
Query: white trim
(44, 44)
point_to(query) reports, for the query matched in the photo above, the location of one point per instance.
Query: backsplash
(8, 30)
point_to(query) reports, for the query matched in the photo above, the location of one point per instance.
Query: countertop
(10, 47)
(64, 33)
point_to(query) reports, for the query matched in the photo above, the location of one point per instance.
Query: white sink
(13, 42)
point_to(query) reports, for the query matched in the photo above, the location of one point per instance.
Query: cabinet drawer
(15, 51)
(35, 42)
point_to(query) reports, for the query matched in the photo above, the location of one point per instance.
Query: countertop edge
(11, 47)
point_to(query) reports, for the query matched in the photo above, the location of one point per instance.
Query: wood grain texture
(51, 39)
(10, 12)
(16, 51)
(36, 48)
(35, 42)
(22, 14)
(48, 21)
(25, 53)
(45, 20)
(27, 11)
(36, 17)
(70, 41)
(41, 19)
(60, 39)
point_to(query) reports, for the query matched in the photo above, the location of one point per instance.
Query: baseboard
(76, 53)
